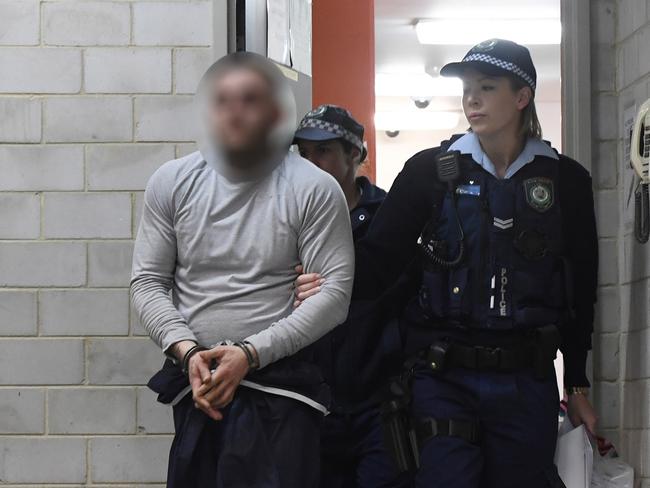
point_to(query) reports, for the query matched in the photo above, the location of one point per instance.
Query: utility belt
(403, 434)
(536, 351)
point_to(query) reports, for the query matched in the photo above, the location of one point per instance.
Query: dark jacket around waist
(295, 373)
(203, 449)
(390, 244)
(357, 356)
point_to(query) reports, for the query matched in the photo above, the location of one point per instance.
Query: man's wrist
(189, 354)
(179, 349)
(251, 354)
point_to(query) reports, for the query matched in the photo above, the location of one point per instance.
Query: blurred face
(491, 105)
(330, 156)
(242, 114)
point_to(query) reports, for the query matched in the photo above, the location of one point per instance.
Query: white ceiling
(397, 49)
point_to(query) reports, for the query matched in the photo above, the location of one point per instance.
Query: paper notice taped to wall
(300, 35)
(278, 45)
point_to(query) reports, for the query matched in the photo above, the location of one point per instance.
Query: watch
(578, 390)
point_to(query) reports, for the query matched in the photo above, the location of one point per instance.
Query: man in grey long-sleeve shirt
(222, 230)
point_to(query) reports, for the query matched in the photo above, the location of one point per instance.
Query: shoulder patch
(540, 193)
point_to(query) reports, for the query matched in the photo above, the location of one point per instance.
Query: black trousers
(353, 454)
(264, 441)
(518, 416)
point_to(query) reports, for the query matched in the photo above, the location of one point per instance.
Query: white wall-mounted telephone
(640, 159)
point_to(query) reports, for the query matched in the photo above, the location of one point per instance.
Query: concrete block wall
(94, 96)
(620, 43)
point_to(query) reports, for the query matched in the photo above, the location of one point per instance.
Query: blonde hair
(530, 126)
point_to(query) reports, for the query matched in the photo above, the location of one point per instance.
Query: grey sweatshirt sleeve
(154, 263)
(325, 246)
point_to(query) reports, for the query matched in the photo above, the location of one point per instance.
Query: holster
(400, 437)
(437, 356)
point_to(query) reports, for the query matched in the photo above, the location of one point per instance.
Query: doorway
(415, 108)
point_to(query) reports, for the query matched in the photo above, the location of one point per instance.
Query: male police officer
(222, 229)
(355, 357)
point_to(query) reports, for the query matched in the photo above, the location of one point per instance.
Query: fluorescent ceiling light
(492, 10)
(472, 31)
(416, 85)
(415, 120)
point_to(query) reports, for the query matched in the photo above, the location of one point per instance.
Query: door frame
(576, 80)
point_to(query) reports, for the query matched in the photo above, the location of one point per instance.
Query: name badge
(473, 190)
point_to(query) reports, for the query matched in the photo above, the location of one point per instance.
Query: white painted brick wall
(87, 215)
(20, 214)
(109, 263)
(189, 66)
(34, 264)
(84, 312)
(43, 460)
(165, 24)
(134, 459)
(19, 22)
(60, 361)
(40, 70)
(88, 119)
(124, 166)
(152, 417)
(91, 410)
(32, 167)
(122, 361)
(159, 118)
(94, 96)
(620, 36)
(86, 23)
(21, 120)
(128, 70)
(18, 312)
(23, 411)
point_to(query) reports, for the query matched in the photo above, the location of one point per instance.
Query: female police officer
(505, 230)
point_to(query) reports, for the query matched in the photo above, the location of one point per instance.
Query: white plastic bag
(574, 456)
(610, 472)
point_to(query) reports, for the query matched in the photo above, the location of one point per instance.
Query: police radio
(640, 157)
(448, 170)
(448, 167)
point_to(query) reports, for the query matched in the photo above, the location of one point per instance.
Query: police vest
(512, 273)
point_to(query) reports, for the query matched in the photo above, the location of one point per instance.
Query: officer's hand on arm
(306, 285)
(232, 367)
(581, 412)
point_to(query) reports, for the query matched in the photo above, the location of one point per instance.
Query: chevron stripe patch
(503, 223)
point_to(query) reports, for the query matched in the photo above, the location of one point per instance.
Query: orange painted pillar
(343, 61)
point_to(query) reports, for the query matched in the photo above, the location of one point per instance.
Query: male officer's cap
(497, 57)
(330, 122)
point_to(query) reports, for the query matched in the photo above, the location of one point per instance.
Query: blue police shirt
(470, 144)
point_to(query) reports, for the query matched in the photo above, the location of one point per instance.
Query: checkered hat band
(333, 128)
(499, 63)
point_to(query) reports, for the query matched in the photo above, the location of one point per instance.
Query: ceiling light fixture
(416, 85)
(472, 31)
(420, 120)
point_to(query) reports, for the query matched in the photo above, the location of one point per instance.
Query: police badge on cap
(539, 193)
(497, 57)
(329, 122)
